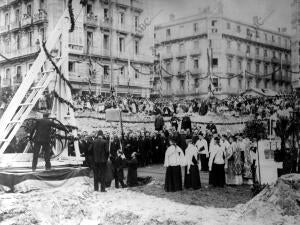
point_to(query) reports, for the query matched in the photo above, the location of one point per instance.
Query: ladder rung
(3, 140)
(49, 71)
(15, 121)
(37, 87)
(25, 104)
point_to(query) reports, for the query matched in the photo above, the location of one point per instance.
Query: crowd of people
(258, 107)
(195, 148)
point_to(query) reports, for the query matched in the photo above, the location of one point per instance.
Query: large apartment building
(186, 46)
(296, 45)
(106, 49)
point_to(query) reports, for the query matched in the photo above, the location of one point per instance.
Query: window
(266, 84)
(18, 39)
(214, 30)
(181, 66)
(274, 54)
(240, 65)
(249, 33)
(105, 71)
(196, 82)
(228, 26)
(182, 84)
(122, 18)
(196, 63)
(257, 68)
(168, 66)
(42, 33)
(196, 44)
(168, 33)
(229, 82)
(19, 72)
(239, 46)
(238, 28)
(273, 38)
(257, 51)
(30, 38)
(122, 71)
(265, 53)
(248, 66)
(136, 75)
(89, 9)
(29, 10)
(266, 37)
(196, 28)
(265, 69)
(229, 65)
(215, 62)
(279, 40)
(257, 35)
(137, 47)
(257, 83)
(106, 16)
(71, 66)
(106, 41)
(17, 14)
(89, 39)
(240, 84)
(214, 23)
(248, 49)
(6, 19)
(168, 48)
(249, 83)
(215, 82)
(136, 22)
(181, 47)
(121, 44)
(228, 44)
(285, 43)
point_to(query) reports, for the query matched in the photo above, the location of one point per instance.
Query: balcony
(167, 55)
(106, 52)
(22, 52)
(105, 23)
(196, 72)
(123, 2)
(17, 80)
(181, 75)
(231, 52)
(142, 57)
(26, 20)
(195, 52)
(40, 17)
(4, 28)
(181, 54)
(122, 55)
(138, 4)
(122, 28)
(6, 82)
(91, 20)
(15, 25)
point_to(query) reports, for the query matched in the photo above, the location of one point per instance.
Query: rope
(62, 100)
(71, 14)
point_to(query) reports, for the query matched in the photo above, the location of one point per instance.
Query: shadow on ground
(227, 197)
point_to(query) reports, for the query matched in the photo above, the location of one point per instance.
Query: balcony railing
(6, 82)
(182, 53)
(39, 17)
(167, 55)
(21, 52)
(17, 80)
(4, 28)
(105, 22)
(26, 20)
(137, 4)
(15, 25)
(91, 20)
(195, 51)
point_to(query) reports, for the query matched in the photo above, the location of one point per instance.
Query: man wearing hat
(100, 154)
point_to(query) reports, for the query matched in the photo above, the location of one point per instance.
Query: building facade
(186, 46)
(296, 45)
(106, 48)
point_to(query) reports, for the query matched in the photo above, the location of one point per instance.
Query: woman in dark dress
(192, 175)
(132, 180)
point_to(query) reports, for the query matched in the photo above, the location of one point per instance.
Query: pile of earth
(275, 204)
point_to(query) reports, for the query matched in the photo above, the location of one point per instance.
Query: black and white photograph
(150, 112)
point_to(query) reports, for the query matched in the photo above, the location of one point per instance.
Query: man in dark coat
(100, 155)
(159, 123)
(41, 137)
(186, 123)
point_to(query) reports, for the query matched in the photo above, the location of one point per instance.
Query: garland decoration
(55, 66)
(71, 14)
(62, 100)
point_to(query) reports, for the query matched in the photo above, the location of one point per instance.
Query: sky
(242, 10)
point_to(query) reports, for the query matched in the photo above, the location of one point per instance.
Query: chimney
(172, 17)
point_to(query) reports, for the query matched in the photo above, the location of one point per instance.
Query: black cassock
(132, 173)
(192, 180)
